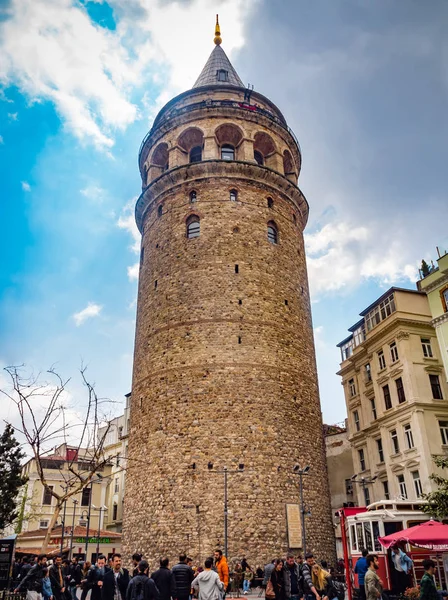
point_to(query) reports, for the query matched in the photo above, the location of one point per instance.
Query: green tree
(425, 268)
(438, 500)
(11, 479)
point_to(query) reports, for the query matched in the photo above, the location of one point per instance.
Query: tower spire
(218, 38)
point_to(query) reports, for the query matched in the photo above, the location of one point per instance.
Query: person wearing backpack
(141, 587)
(164, 580)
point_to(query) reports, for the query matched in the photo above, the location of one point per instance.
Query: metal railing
(242, 106)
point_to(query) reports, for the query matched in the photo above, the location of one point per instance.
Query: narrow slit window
(237, 269)
(233, 195)
(270, 203)
(160, 211)
(272, 233)
(193, 227)
(193, 196)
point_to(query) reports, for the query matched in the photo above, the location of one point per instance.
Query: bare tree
(43, 415)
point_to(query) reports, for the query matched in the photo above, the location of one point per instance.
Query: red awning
(431, 535)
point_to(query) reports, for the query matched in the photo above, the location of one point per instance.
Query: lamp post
(364, 482)
(225, 471)
(63, 526)
(101, 509)
(301, 472)
(70, 552)
(198, 514)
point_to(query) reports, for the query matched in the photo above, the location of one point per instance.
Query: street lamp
(198, 514)
(301, 472)
(75, 502)
(364, 482)
(225, 471)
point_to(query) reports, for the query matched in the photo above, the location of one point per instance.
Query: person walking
(292, 571)
(141, 587)
(208, 584)
(32, 582)
(84, 573)
(402, 568)
(115, 581)
(267, 573)
(248, 577)
(309, 591)
(372, 583)
(136, 558)
(222, 568)
(165, 581)
(95, 577)
(47, 592)
(183, 576)
(57, 578)
(279, 580)
(428, 590)
(361, 570)
(74, 579)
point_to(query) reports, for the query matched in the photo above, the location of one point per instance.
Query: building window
(380, 312)
(258, 157)
(381, 360)
(417, 484)
(409, 437)
(393, 352)
(43, 524)
(362, 460)
(395, 444)
(443, 426)
(46, 500)
(160, 211)
(426, 347)
(368, 372)
(270, 203)
(356, 419)
(402, 487)
(435, 387)
(373, 407)
(400, 390)
(444, 296)
(117, 485)
(85, 497)
(366, 496)
(387, 398)
(233, 195)
(193, 227)
(222, 75)
(227, 152)
(272, 233)
(114, 512)
(386, 490)
(193, 196)
(352, 387)
(196, 154)
(379, 445)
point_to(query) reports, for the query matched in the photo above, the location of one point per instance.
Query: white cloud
(12, 116)
(26, 186)
(94, 192)
(341, 256)
(91, 310)
(52, 51)
(133, 272)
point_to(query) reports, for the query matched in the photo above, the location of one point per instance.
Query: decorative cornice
(235, 169)
(436, 284)
(403, 335)
(437, 321)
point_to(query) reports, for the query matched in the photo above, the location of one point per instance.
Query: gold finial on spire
(218, 38)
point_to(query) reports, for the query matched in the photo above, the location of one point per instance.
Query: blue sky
(363, 85)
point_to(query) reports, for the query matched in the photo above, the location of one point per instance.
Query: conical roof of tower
(218, 61)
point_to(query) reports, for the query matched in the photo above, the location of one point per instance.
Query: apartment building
(435, 285)
(396, 396)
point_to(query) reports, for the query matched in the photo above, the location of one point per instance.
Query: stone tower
(224, 366)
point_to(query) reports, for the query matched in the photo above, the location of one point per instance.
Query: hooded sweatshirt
(208, 584)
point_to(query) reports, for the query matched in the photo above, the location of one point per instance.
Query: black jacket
(94, 575)
(183, 575)
(165, 582)
(56, 582)
(33, 580)
(108, 589)
(75, 575)
(145, 585)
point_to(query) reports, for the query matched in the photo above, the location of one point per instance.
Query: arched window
(160, 157)
(160, 211)
(272, 232)
(227, 152)
(270, 203)
(196, 154)
(193, 196)
(193, 226)
(258, 157)
(233, 195)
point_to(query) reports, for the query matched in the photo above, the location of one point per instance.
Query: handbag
(270, 590)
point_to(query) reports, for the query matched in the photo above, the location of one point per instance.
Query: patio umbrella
(431, 535)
